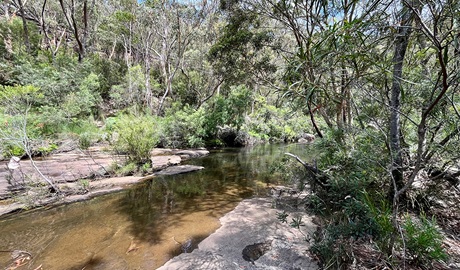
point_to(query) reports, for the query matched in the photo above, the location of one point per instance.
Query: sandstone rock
(242, 227)
(306, 138)
(187, 154)
(161, 162)
(179, 169)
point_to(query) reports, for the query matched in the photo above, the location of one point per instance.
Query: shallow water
(144, 226)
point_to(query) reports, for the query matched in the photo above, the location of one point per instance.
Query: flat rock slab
(179, 169)
(61, 168)
(165, 157)
(161, 162)
(99, 187)
(78, 164)
(252, 221)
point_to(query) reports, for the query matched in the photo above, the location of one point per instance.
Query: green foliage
(82, 102)
(354, 177)
(227, 111)
(183, 127)
(282, 216)
(331, 252)
(316, 205)
(110, 73)
(296, 222)
(128, 169)
(380, 211)
(239, 49)
(131, 91)
(137, 136)
(16, 99)
(84, 185)
(85, 140)
(423, 239)
(9, 150)
(46, 150)
(268, 122)
(55, 80)
(146, 168)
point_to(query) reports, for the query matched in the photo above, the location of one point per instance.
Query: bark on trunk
(401, 43)
(24, 26)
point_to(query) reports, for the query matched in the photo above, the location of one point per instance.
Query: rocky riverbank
(254, 236)
(79, 175)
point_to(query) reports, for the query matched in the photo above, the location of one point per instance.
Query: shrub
(423, 240)
(137, 136)
(353, 177)
(128, 169)
(83, 101)
(85, 140)
(130, 91)
(183, 127)
(380, 210)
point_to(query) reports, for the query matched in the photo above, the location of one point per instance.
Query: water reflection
(141, 228)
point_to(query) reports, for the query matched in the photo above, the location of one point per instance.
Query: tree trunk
(166, 72)
(24, 26)
(74, 27)
(313, 122)
(401, 44)
(7, 37)
(148, 87)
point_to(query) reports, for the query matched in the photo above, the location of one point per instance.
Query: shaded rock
(252, 253)
(306, 138)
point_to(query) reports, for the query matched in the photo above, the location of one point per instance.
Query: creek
(145, 225)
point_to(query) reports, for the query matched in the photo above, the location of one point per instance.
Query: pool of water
(146, 225)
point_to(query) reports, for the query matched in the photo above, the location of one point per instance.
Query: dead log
(318, 176)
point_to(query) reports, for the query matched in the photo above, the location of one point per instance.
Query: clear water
(144, 226)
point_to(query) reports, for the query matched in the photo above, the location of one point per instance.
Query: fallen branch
(317, 175)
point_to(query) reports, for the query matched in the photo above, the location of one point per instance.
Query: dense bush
(269, 123)
(183, 127)
(354, 204)
(135, 136)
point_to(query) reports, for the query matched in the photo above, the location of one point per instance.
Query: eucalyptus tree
(54, 33)
(244, 51)
(18, 7)
(77, 26)
(326, 51)
(176, 23)
(198, 81)
(431, 91)
(5, 32)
